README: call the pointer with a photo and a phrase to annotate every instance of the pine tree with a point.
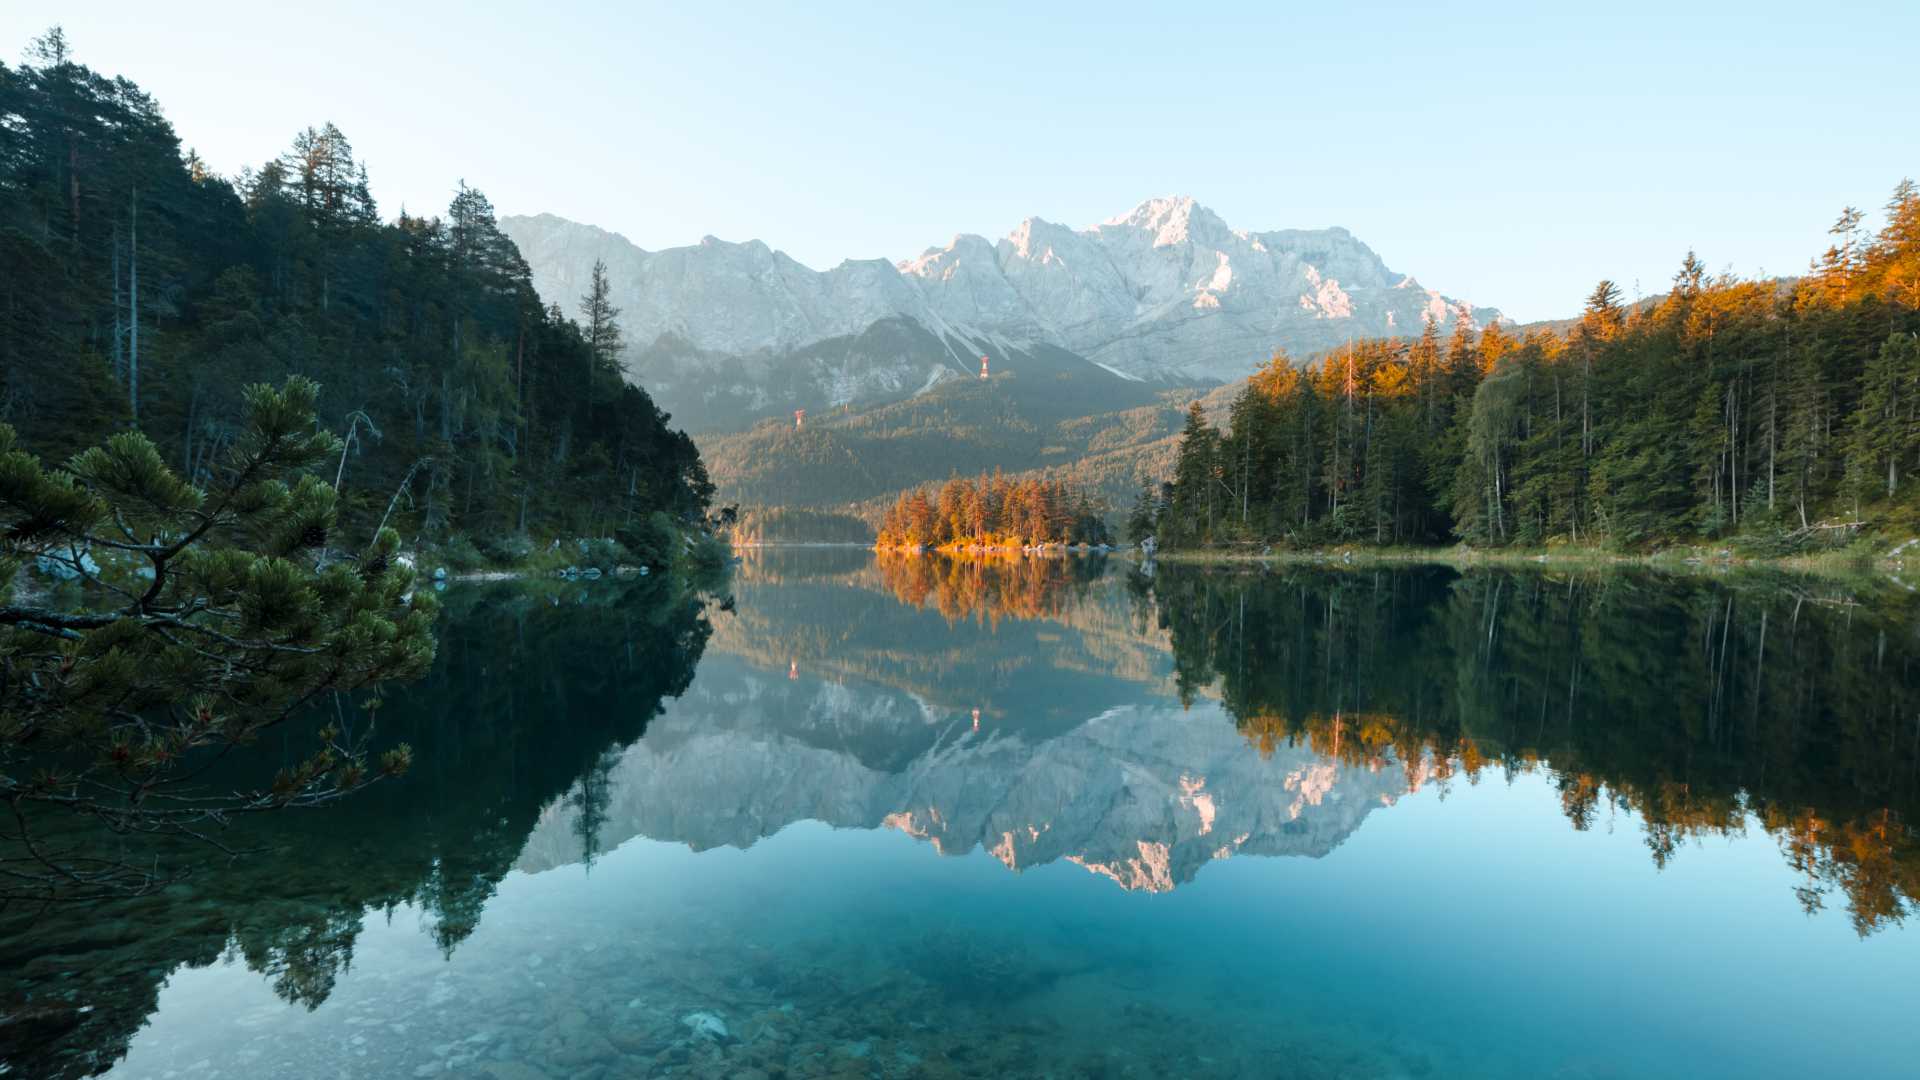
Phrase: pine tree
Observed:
(229, 608)
(1886, 426)
(1141, 517)
(1196, 494)
(605, 341)
(1688, 280)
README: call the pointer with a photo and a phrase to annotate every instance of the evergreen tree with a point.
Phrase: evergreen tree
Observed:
(600, 322)
(1886, 424)
(225, 610)
(1196, 480)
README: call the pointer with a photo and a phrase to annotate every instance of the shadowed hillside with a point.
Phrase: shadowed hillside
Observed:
(860, 459)
(1035, 417)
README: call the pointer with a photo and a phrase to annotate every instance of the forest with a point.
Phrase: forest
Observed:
(141, 291)
(993, 512)
(1780, 416)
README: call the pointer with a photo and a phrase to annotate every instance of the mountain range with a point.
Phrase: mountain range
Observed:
(1166, 295)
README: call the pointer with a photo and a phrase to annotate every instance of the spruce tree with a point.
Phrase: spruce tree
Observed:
(1141, 517)
(601, 324)
(1886, 425)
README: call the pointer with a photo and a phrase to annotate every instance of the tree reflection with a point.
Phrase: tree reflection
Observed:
(533, 687)
(989, 586)
(1703, 707)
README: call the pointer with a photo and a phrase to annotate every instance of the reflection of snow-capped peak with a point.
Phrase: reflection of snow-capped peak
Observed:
(1144, 796)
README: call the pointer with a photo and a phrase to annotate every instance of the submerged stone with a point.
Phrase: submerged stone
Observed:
(706, 1025)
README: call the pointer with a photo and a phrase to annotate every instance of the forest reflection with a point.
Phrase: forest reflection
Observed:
(989, 586)
(534, 686)
(1705, 707)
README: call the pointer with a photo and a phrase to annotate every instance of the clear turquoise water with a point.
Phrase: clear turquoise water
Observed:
(814, 847)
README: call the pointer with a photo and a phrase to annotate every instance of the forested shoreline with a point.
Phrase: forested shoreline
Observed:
(140, 291)
(1780, 417)
(993, 512)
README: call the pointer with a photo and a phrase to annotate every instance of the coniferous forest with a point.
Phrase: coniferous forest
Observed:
(139, 290)
(1780, 415)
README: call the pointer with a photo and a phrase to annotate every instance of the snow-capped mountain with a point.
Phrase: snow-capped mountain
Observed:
(1170, 293)
(1166, 294)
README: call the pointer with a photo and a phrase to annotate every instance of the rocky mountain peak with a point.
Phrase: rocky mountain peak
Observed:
(1166, 293)
(1172, 219)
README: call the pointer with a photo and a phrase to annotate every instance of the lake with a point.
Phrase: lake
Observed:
(916, 817)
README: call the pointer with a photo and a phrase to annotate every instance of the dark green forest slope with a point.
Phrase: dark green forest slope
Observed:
(1015, 421)
(140, 290)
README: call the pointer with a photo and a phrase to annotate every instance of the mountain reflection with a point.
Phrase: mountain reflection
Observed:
(1703, 707)
(1045, 711)
(1143, 792)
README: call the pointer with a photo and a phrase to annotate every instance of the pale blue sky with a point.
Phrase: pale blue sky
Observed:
(1502, 153)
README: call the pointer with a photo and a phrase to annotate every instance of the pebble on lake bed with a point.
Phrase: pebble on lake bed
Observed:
(706, 1025)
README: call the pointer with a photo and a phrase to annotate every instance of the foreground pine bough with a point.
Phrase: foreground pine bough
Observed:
(209, 616)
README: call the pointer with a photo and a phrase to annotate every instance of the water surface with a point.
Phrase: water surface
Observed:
(920, 817)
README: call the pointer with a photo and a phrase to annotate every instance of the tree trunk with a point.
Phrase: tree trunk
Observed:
(519, 389)
(133, 317)
(119, 299)
(73, 186)
(186, 448)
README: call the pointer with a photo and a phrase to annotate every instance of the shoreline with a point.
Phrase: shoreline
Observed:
(1678, 560)
(997, 549)
(1887, 564)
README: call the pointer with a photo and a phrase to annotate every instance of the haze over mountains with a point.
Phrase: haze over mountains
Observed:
(1166, 295)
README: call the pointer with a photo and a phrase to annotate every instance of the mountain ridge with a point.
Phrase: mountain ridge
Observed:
(1167, 294)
